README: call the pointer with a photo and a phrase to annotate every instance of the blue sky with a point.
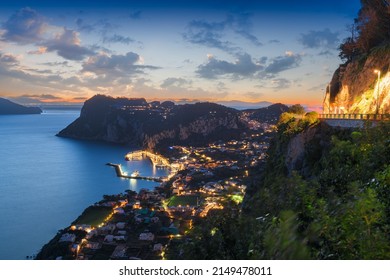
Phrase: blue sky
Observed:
(64, 51)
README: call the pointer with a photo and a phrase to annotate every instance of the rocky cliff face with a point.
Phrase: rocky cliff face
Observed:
(303, 151)
(134, 121)
(355, 87)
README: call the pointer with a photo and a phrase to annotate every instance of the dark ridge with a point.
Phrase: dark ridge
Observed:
(10, 108)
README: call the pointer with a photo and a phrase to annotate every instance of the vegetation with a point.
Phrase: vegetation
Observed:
(337, 208)
(93, 215)
(293, 123)
(184, 200)
(296, 109)
(370, 29)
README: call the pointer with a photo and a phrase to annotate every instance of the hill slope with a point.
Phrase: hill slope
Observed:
(134, 121)
(10, 108)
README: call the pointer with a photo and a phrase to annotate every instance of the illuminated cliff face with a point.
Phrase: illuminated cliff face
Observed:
(372, 101)
(357, 89)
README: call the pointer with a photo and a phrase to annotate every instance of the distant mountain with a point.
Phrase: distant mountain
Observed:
(154, 125)
(268, 114)
(10, 108)
(241, 105)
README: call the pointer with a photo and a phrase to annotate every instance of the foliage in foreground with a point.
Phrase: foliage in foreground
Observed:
(339, 209)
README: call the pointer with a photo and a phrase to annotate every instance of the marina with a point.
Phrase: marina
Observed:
(121, 174)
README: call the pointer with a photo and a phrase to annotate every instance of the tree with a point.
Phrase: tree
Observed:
(370, 29)
(297, 109)
(348, 49)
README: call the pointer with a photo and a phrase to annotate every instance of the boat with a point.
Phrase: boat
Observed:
(135, 173)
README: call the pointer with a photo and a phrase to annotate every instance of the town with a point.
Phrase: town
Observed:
(152, 224)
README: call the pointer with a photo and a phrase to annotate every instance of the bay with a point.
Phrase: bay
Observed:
(47, 181)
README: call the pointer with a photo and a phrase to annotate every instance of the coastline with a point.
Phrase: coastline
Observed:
(78, 232)
(155, 224)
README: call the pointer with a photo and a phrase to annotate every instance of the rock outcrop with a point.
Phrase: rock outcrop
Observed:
(154, 125)
(355, 87)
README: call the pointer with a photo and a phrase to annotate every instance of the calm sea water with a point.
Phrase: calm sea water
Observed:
(47, 181)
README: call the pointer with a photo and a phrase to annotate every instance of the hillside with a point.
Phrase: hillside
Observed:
(354, 88)
(323, 194)
(154, 125)
(10, 108)
(361, 85)
(268, 114)
(327, 190)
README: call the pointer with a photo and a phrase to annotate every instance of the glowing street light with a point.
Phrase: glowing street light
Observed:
(377, 93)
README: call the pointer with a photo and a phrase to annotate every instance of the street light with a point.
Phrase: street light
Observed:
(377, 93)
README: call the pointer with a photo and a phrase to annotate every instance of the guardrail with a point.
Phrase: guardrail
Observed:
(373, 117)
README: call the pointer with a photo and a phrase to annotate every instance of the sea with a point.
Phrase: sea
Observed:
(47, 181)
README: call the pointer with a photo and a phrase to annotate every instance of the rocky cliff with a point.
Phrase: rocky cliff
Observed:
(361, 86)
(154, 125)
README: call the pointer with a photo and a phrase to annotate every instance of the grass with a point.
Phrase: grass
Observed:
(93, 215)
(183, 200)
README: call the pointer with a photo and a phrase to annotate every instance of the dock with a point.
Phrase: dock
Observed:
(157, 160)
(119, 173)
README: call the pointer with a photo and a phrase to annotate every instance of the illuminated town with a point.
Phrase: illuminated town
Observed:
(152, 224)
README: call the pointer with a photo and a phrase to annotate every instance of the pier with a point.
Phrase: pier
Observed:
(157, 160)
(121, 174)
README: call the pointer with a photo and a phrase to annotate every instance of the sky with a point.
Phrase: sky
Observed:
(186, 51)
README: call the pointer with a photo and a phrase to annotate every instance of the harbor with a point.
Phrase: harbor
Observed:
(121, 174)
(157, 160)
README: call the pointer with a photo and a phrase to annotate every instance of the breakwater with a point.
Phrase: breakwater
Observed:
(120, 173)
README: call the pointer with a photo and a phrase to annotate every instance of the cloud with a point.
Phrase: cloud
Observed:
(263, 60)
(36, 98)
(63, 63)
(42, 96)
(242, 25)
(39, 51)
(115, 65)
(211, 34)
(245, 67)
(118, 39)
(105, 25)
(274, 41)
(39, 71)
(318, 88)
(242, 67)
(208, 34)
(8, 60)
(278, 84)
(80, 98)
(24, 27)
(175, 82)
(24, 100)
(18, 77)
(187, 61)
(135, 15)
(253, 95)
(282, 63)
(67, 45)
(319, 39)
(82, 26)
(221, 86)
(281, 83)
(326, 53)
